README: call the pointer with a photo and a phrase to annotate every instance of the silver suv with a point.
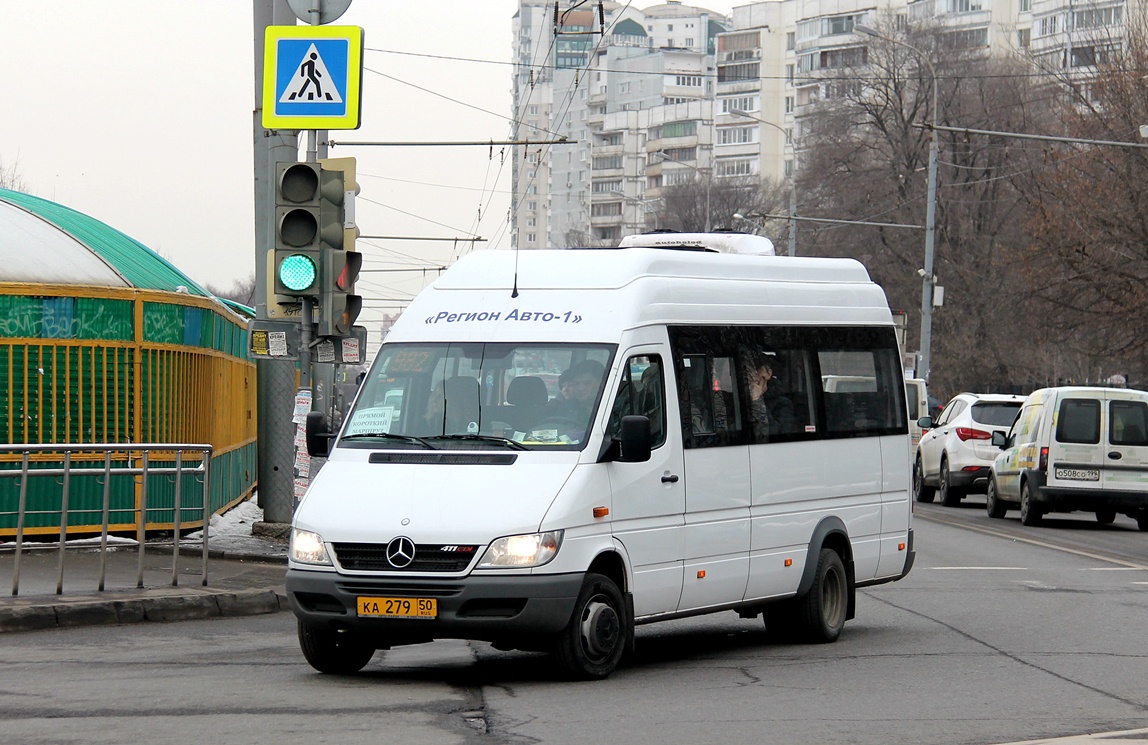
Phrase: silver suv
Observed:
(956, 451)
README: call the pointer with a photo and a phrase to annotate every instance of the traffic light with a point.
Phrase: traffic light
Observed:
(340, 264)
(338, 305)
(297, 229)
(309, 218)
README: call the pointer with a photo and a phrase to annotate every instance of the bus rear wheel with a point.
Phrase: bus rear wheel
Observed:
(822, 611)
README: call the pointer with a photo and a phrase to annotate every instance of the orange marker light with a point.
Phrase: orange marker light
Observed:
(601, 511)
(701, 574)
(789, 562)
(900, 546)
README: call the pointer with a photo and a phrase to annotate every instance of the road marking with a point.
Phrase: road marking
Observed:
(1031, 541)
(1126, 737)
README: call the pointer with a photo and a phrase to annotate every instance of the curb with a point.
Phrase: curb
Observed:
(61, 613)
(191, 552)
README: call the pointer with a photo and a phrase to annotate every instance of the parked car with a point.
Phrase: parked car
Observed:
(956, 451)
(1074, 448)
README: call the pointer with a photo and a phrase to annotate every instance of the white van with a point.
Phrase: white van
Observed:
(641, 484)
(1074, 448)
(918, 395)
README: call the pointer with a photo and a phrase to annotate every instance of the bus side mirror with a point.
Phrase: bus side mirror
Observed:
(635, 439)
(318, 435)
(1000, 439)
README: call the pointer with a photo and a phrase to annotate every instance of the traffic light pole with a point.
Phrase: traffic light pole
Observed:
(275, 378)
(305, 345)
(290, 243)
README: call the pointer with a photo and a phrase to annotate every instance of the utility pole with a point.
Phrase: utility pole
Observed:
(275, 379)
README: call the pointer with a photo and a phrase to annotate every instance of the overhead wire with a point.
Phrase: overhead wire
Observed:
(1035, 75)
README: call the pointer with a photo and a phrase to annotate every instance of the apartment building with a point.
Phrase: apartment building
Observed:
(603, 93)
(675, 92)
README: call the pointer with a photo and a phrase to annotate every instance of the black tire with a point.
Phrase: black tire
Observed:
(950, 495)
(592, 644)
(994, 506)
(1030, 514)
(922, 492)
(1106, 517)
(821, 612)
(333, 652)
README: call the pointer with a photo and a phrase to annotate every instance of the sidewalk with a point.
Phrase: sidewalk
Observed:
(245, 575)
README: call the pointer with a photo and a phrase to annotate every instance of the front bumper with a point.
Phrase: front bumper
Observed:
(510, 610)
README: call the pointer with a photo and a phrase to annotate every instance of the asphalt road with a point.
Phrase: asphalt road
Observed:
(990, 639)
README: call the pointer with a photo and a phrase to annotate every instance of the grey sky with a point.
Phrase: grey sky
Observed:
(139, 113)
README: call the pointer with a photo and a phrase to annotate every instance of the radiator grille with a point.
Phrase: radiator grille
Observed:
(372, 557)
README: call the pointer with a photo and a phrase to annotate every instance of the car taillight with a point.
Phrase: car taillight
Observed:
(1043, 465)
(967, 433)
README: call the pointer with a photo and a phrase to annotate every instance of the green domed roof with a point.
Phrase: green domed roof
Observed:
(45, 242)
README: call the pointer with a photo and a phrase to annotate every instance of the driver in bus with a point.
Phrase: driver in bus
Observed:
(577, 388)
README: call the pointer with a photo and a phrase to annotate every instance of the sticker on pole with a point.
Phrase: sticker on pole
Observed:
(312, 77)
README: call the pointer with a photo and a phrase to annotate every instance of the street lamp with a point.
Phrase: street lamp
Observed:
(701, 172)
(928, 281)
(792, 178)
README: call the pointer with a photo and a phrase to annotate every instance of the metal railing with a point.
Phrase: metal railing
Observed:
(136, 460)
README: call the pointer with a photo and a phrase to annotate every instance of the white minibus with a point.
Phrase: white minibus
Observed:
(554, 446)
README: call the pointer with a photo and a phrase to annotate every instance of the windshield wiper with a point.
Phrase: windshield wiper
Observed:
(482, 438)
(390, 436)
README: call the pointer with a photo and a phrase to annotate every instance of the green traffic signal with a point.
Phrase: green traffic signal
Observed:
(297, 272)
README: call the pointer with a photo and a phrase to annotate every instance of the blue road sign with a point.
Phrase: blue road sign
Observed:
(312, 77)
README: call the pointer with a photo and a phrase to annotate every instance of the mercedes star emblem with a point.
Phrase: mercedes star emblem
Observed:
(401, 552)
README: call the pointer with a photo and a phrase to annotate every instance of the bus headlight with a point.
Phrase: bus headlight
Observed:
(308, 548)
(531, 550)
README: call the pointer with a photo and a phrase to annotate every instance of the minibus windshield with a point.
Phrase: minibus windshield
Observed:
(453, 396)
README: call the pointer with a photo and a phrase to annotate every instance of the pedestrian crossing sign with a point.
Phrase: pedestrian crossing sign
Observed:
(312, 77)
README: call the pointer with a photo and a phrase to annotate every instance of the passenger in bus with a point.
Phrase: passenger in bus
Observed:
(452, 407)
(431, 422)
(769, 410)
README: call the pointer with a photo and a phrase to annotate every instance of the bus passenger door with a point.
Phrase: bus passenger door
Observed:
(716, 534)
(649, 498)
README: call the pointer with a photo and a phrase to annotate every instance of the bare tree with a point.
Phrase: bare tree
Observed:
(865, 159)
(10, 177)
(685, 207)
(242, 292)
(1088, 209)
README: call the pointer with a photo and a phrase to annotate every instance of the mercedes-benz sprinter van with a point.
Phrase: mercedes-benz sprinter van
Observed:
(591, 439)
